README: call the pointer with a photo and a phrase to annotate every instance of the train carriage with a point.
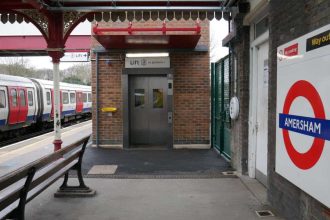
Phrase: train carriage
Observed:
(24, 102)
(18, 100)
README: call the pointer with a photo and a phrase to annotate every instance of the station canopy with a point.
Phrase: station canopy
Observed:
(117, 10)
(56, 19)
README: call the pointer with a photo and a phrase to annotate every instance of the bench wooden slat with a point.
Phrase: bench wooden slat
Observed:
(46, 171)
(53, 170)
(23, 172)
(37, 190)
(10, 198)
(39, 176)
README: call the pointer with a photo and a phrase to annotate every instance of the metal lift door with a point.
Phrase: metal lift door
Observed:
(148, 111)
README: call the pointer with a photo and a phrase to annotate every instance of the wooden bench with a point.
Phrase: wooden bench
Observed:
(21, 186)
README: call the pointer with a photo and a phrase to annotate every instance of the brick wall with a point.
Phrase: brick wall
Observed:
(191, 90)
(240, 129)
(110, 95)
(289, 20)
(191, 98)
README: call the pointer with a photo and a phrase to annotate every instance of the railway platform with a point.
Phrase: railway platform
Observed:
(150, 199)
(19, 154)
(141, 184)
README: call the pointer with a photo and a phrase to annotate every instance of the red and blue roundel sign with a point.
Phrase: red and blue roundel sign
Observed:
(302, 153)
(317, 127)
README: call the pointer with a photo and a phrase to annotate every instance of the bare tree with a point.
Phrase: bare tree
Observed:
(17, 66)
(79, 71)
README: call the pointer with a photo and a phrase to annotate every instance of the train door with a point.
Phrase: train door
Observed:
(79, 103)
(23, 107)
(31, 104)
(84, 100)
(73, 102)
(3, 106)
(48, 104)
(13, 105)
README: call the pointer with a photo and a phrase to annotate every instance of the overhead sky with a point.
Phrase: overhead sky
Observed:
(218, 32)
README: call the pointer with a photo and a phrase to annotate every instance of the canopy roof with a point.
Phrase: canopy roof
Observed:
(122, 9)
(148, 37)
(57, 18)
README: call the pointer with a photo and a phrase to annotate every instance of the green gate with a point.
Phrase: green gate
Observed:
(221, 122)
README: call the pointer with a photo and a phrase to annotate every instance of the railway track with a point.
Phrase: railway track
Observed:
(38, 132)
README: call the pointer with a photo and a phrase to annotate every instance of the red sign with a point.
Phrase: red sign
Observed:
(291, 50)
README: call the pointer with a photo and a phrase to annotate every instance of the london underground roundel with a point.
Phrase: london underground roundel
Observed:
(317, 127)
(302, 147)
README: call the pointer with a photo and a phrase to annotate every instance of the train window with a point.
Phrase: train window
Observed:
(85, 97)
(30, 98)
(72, 98)
(22, 97)
(13, 94)
(89, 97)
(65, 98)
(2, 99)
(48, 98)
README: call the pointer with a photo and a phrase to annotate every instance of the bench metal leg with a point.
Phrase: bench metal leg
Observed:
(65, 181)
(80, 176)
(18, 213)
(75, 191)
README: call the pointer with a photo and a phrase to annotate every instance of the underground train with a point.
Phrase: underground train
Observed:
(26, 102)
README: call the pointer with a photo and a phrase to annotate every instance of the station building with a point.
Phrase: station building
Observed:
(147, 101)
(173, 101)
(279, 45)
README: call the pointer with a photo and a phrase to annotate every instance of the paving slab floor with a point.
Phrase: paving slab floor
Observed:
(151, 199)
(156, 162)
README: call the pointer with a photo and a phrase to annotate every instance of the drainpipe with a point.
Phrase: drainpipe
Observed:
(97, 99)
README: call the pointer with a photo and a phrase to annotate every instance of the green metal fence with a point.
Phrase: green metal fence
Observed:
(220, 89)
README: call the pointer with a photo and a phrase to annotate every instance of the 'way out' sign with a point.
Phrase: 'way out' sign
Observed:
(303, 113)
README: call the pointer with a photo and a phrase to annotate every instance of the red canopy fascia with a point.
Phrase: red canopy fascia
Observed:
(148, 37)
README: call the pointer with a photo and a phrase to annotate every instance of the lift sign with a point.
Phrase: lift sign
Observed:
(303, 113)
